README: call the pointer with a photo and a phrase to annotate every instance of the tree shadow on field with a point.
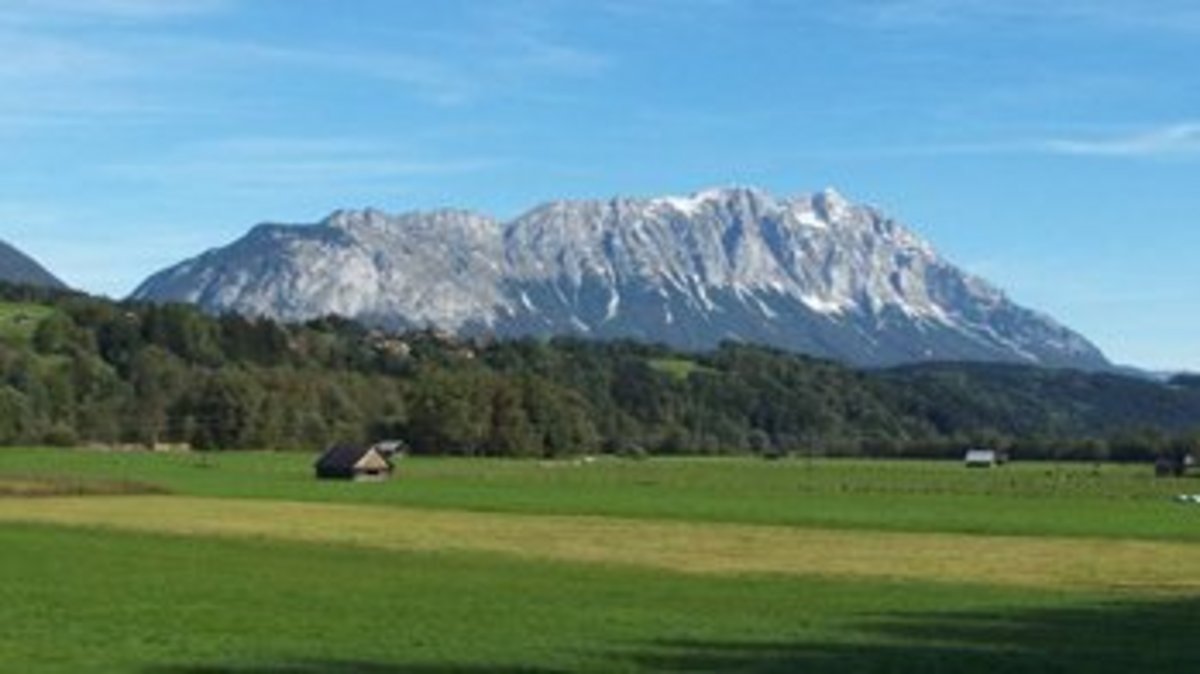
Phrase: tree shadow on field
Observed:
(347, 667)
(1117, 637)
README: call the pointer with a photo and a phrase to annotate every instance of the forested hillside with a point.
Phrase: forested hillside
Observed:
(78, 370)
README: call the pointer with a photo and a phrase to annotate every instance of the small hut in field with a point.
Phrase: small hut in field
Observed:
(1172, 466)
(984, 458)
(354, 462)
(392, 449)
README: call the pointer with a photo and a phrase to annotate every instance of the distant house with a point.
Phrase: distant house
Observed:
(984, 458)
(392, 449)
(1172, 466)
(354, 462)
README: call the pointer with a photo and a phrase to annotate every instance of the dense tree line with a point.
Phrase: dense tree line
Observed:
(95, 371)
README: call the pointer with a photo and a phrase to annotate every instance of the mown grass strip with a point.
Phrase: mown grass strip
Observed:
(41, 487)
(726, 549)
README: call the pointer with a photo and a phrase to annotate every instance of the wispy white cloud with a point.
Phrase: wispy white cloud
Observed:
(1165, 141)
(247, 166)
(428, 78)
(56, 80)
(1170, 15)
(453, 72)
(510, 48)
(39, 57)
(676, 10)
(44, 11)
(61, 71)
(1174, 140)
(68, 72)
(500, 49)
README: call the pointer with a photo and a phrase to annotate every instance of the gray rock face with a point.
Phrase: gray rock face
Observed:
(815, 274)
(17, 267)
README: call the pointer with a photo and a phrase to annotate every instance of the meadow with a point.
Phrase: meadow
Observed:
(1034, 498)
(204, 563)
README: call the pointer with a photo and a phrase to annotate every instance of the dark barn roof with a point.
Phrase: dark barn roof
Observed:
(341, 460)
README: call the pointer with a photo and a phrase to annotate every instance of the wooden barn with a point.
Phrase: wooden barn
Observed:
(354, 462)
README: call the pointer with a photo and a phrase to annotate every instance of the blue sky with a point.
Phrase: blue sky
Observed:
(1052, 147)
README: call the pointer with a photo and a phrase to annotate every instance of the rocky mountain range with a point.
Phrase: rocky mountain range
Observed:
(816, 274)
(17, 267)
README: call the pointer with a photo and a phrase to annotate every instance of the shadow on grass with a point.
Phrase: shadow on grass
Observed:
(348, 667)
(1118, 637)
(1159, 637)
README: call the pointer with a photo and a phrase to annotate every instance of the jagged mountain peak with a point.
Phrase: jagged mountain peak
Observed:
(348, 219)
(831, 203)
(733, 196)
(815, 273)
(373, 219)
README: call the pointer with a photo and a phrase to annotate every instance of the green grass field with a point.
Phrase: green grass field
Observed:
(1021, 499)
(247, 565)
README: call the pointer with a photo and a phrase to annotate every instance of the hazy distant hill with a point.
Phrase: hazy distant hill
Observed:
(815, 274)
(17, 267)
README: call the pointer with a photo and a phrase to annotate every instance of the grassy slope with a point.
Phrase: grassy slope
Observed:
(19, 321)
(89, 602)
(677, 368)
(1029, 499)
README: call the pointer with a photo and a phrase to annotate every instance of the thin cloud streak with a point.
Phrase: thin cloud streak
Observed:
(1164, 15)
(252, 165)
(1167, 141)
(673, 10)
(59, 81)
(1176, 140)
(480, 70)
(28, 12)
(503, 56)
